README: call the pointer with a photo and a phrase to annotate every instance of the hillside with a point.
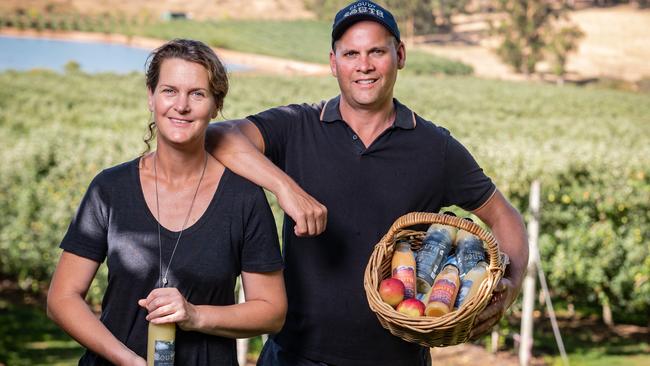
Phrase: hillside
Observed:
(616, 45)
(197, 9)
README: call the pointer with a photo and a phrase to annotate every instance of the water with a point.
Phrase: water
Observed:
(93, 57)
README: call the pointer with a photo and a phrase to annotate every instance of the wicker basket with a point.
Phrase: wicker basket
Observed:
(452, 328)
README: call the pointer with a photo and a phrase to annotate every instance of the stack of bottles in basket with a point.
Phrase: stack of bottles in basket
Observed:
(445, 273)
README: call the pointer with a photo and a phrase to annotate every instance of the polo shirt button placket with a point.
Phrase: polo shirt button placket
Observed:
(357, 143)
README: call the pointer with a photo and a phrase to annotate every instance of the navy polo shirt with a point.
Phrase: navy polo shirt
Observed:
(412, 166)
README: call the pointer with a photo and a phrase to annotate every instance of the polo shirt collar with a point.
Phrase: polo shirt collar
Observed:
(404, 117)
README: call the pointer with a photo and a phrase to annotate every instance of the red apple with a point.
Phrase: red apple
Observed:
(391, 290)
(411, 307)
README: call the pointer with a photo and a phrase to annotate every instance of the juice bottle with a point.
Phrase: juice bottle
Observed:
(470, 283)
(403, 267)
(436, 245)
(469, 251)
(161, 339)
(441, 297)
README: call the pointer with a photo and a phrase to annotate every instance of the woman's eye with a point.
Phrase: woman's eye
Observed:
(198, 94)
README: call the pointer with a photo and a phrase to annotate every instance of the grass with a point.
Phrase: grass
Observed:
(300, 40)
(29, 338)
(588, 342)
(303, 40)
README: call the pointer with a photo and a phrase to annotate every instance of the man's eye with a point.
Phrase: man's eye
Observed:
(167, 91)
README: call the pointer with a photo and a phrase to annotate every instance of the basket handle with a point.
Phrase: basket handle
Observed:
(415, 218)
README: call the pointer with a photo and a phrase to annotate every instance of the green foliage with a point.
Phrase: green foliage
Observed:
(530, 29)
(57, 133)
(443, 10)
(587, 146)
(28, 337)
(413, 17)
(560, 44)
(420, 63)
(522, 32)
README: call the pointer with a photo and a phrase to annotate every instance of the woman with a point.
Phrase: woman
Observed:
(176, 228)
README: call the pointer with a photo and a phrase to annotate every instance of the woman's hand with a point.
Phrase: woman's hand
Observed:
(167, 305)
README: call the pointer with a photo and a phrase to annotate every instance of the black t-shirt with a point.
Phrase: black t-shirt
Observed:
(236, 233)
(412, 166)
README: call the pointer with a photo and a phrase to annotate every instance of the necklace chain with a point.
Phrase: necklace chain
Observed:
(163, 278)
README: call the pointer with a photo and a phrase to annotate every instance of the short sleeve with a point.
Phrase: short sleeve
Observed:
(87, 233)
(276, 126)
(466, 185)
(261, 247)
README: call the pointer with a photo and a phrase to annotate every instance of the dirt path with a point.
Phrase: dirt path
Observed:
(260, 63)
(616, 45)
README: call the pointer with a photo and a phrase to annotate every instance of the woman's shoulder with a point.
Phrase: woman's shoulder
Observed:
(239, 183)
(118, 175)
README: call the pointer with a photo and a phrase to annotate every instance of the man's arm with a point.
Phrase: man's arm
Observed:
(238, 144)
(510, 232)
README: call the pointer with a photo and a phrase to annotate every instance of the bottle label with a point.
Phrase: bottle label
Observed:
(469, 252)
(163, 353)
(406, 274)
(443, 291)
(429, 258)
(462, 293)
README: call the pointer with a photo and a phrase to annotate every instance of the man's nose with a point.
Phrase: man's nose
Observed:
(365, 65)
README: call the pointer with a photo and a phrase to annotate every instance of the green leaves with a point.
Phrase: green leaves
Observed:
(588, 147)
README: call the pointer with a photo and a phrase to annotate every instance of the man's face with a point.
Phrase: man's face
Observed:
(365, 63)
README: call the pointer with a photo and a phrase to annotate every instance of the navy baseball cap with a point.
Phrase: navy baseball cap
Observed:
(362, 10)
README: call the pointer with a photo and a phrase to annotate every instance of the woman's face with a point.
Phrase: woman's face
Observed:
(182, 103)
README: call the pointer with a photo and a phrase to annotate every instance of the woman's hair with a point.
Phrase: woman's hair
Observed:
(192, 51)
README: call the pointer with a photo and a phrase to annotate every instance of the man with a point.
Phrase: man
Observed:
(364, 159)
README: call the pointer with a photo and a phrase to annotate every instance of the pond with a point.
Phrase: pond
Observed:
(93, 57)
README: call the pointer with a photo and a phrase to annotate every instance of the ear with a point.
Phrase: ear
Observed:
(401, 56)
(150, 102)
(333, 62)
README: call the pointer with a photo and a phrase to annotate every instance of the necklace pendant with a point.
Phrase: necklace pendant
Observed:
(164, 281)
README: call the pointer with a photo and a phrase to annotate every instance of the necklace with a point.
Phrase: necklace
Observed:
(163, 277)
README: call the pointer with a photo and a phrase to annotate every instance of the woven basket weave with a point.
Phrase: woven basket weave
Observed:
(447, 330)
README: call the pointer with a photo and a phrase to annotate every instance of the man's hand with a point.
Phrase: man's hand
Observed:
(309, 215)
(503, 296)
